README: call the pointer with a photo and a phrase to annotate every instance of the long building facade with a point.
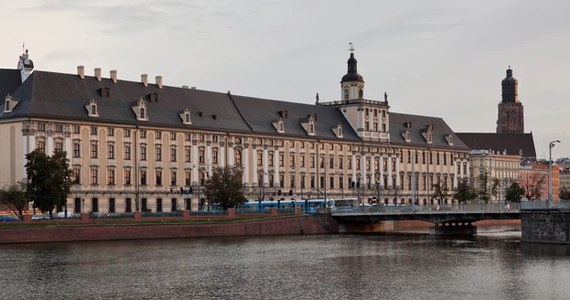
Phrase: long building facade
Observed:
(147, 146)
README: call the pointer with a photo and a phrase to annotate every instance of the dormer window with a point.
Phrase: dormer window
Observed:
(279, 125)
(311, 128)
(427, 133)
(449, 139)
(104, 92)
(92, 109)
(337, 131)
(309, 124)
(9, 104)
(407, 136)
(429, 137)
(185, 116)
(140, 110)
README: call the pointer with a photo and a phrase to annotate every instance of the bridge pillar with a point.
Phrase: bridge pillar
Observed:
(453, 228)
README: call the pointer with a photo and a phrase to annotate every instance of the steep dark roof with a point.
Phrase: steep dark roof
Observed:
(10, 80)
(64, 96)
(261, 113)
(418, 125)
(513, 143)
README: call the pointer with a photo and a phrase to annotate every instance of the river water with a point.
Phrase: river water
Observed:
(487, 266)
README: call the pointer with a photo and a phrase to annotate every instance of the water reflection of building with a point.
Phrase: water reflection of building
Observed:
(131, 140)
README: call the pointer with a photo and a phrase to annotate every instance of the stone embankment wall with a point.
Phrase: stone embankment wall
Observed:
(320, 224)
(545, 226)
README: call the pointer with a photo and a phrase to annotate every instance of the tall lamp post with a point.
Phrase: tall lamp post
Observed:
(550, 146)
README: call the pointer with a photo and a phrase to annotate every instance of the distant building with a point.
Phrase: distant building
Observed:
(534, 177)
(132, 143)
(489, 168)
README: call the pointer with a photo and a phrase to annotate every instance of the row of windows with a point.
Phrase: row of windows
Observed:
(128, 205)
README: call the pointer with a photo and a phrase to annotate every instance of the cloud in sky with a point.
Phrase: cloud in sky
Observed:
(443, 58)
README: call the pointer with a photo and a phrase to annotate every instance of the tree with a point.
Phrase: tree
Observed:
(14, 197)
(564, 193)
(464, 192)
(533, 184)
(224, 187)
(514, 192)
(440, 192)
(49, 180)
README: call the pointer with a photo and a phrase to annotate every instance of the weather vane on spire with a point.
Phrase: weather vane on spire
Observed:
(351, 49)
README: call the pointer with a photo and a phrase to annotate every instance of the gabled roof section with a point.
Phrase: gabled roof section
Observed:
(514, 143)
(10, 80)
(261, 113)
(416, 125)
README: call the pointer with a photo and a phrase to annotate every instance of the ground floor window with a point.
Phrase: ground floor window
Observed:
(144, 206)
(111, 205)
(174, 206)
(188, 203)
(128, 205)
(94, 205)
(159, 204)
(77, 206)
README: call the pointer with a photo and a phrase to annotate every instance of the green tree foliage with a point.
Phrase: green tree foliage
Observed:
(224, 187)
(564, 193)
(14, 197)
(49, 180)
(514, 192)
(440, 192)
(464, 192)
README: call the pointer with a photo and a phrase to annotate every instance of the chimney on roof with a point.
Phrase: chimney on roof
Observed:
(184, 86)
(158, 80)
(144, 79)
(81, 72)
(193, 88)
(98, 74)
(113, 75)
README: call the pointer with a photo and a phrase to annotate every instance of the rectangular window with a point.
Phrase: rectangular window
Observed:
(93, 130)
(215, 156)
(41, 146)
(158, 177)
(94, 150)
(127, 176)
(127, 151)
(111, 131)
(144, 206)
(128, 205)
(281, 160)
(158, 153)
(77, 206)
(331, 182)
(173, 136)
(143, 152)
(76, 175)
(173, 177)
(76, 149)
(173, 205)
(312, 161)
(111, 151)
(292, 160)
(302, 160)
(58, 146)
(187, 137)
(76, 129)
(127, 133)
(172, 153)
(259, 158)
(187, 154)
(143, 177)
(94, 176)
(159, 204)
(111, 177)
(111, 205)
(158, 134)
(94, 205)
(143, 133)
(187, 176)
(292, 181)
(331, 162)
(202, 157)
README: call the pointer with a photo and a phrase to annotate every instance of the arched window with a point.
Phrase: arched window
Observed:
(142, 114)
(93, 109)
(345, 94)
(7, 105)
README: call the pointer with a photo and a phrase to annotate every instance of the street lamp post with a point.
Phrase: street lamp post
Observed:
(550, 146)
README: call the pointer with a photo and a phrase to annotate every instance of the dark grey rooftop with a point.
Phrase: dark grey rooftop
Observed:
(513, 143)
(418, 125)
(10, 80)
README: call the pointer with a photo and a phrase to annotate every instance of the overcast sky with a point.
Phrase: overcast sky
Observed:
(436, 58)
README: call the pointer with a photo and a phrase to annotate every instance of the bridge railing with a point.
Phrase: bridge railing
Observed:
(444, 208)
(562, 204)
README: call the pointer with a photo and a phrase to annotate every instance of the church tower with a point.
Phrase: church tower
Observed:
(25, 65)
(511, 113)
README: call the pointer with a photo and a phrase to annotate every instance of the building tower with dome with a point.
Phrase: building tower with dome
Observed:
(511, 113)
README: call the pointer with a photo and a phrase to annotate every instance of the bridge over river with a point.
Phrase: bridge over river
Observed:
(457, 218)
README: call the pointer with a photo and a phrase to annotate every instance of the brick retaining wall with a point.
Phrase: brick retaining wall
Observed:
(320, 224)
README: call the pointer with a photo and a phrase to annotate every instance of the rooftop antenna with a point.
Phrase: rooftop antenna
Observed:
(23, 47)
(351, 49)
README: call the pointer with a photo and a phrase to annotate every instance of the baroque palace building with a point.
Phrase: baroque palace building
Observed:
(142, 145)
